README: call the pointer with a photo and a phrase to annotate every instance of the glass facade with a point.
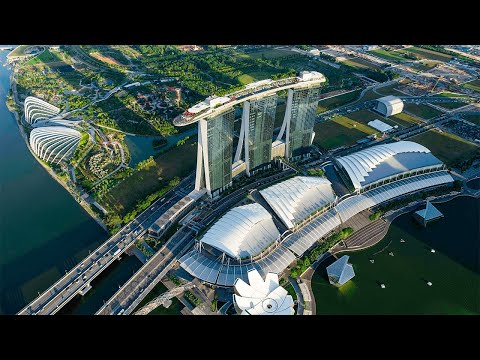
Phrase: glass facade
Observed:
(303, 114)
(260, 131)
(220, 148)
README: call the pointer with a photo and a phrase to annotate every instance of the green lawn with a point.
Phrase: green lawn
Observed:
(45, 57)
(271, 53)
(451, 105)
(173, 309)
(364, 116)
(387, 55)
(359, 63)
(428, 54)
(423, 65)
(245, 79)
(336, 101)
(340, 131)
(258, 75)
(179, 161)
(405, 119)
(447, 147)
(474, 85)
(473, 118)
(423, 111)
(450, 94)
(390, 90)
(369, 95)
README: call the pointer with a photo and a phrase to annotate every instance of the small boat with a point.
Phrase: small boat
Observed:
(402, 241)
(372, 261)
(429, 283)
(390, 253)
(382, 286)
(432, 251)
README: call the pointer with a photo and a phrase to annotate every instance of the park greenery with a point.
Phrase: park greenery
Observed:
(376, 215)
(192, 299)
(145, 203)
(316, 172)
(312, 255)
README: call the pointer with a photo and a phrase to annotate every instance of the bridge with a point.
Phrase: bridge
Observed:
(129, 296)
(78, 280)
(164, 298)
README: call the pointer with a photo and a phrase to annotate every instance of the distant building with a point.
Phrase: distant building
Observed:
(340, 271)
(428, 214)
(389, 105)
(380, 126)
(381, 164)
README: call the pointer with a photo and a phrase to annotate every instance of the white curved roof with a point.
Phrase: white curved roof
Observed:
(389, 105)
(293, 200)
(390, 100)
(242, 232)
(261, 297)
(37, 109)
(381, 161)
(54, 143)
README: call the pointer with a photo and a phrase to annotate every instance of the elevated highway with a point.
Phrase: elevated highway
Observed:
(77, 280)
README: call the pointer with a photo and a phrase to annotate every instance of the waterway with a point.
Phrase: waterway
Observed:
(141, 147)
(453, 269)
(43, 230)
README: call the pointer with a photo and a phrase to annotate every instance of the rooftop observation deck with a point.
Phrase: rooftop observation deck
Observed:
(213, 106)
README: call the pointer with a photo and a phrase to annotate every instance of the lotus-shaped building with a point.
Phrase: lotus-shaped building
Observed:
(261, 297)
(54, 143)
(38, 110)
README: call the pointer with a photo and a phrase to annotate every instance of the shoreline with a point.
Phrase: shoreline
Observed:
(307, 275)
(74, 195)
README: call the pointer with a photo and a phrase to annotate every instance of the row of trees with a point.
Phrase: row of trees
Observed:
(311, 256)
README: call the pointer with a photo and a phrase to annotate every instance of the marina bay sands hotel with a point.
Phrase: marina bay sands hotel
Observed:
(218, 163)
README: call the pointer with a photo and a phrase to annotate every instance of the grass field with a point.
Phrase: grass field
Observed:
(423, 65)
(423, 111)
(359, 63)
(340, 131)
(260, 75)
(474, 85)
(336, 101)
(405, 119)
(271, 53)
(245, 79)
(387, 55)
(473, 118)
(450, 94)
(45, 57)
(451, 105)
(428, 54)
(447, 147)
(179, 161)
(390, 90)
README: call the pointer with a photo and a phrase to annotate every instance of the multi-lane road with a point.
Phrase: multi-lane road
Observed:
(78, 279)
(129, 296)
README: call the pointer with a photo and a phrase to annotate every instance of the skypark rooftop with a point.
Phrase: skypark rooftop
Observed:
(214, 105)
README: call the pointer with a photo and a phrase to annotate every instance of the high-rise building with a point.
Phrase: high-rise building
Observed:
(302, 110)
(256, 132)
(215, 149)
(216, 163)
